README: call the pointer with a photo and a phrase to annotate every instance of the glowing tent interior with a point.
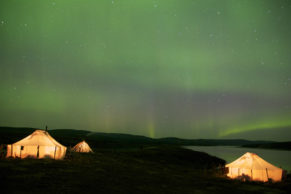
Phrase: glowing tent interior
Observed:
(82, 147)
(39, 144)
(252, 167)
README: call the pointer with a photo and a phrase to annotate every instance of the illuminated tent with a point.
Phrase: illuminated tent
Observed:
(82, 147)
(251, 167)
(37, 145)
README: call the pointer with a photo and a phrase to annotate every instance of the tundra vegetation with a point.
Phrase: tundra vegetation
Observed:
(123, 168)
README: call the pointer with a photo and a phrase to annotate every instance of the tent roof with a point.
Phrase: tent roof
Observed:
(38, 137)
(251, 161)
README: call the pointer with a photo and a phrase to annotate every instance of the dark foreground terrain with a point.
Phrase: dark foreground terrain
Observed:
(121, 164)
(146, 170)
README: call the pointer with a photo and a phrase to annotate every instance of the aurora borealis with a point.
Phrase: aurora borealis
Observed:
(159, 68)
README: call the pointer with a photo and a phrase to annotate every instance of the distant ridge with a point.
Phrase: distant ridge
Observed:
(275, 145)
(10, 135)
(70, 137)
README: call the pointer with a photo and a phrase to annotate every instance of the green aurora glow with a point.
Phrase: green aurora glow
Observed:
(184, 68)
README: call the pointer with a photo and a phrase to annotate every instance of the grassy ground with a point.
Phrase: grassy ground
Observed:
(147, 170)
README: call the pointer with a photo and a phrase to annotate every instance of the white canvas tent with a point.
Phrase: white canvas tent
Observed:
(251, 167)
(82, 147)
(39, 144)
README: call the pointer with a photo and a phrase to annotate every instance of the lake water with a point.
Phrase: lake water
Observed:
(279, 158)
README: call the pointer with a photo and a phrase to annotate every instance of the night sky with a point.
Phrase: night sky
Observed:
(159, 68)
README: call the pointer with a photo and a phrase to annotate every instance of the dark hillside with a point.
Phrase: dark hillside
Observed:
(71, 137)
(276, 145)
(10, 135)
